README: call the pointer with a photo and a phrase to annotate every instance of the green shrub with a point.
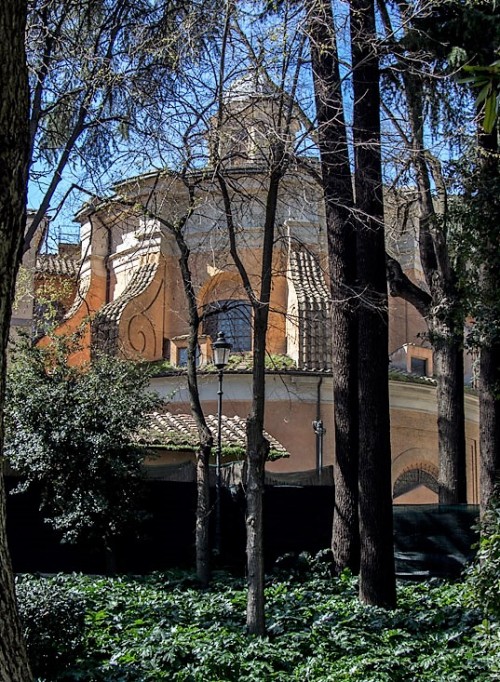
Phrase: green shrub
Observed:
(53, 619)
(160, 627)
(484, 576)
(304, 566)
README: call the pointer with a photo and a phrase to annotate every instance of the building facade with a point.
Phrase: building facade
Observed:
(130, 296)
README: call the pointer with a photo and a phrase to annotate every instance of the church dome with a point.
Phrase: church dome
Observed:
(254, 85)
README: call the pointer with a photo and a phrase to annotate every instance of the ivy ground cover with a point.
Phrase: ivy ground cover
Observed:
(163, 627)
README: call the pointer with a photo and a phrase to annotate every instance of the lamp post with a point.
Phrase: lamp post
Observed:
(320, 431)
(220, 350)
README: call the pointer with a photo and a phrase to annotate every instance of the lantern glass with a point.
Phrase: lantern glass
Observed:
(220, 351)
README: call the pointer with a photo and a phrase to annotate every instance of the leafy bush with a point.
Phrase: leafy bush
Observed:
(484, 576)
(71, 431)
(161, 627)
(304, 566)
(53, 618)
(160, 367)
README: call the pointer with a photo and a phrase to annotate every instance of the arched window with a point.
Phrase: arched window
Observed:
(234, 318)
(413, 478)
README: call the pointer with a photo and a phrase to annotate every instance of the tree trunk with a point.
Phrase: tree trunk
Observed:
(202, 534)
(257, 449)
(257, 445)
(489, 422)
(446, 319)
(449, 369)
(13, 657)
(256, 457)
(337, 186)
(14, 151)
(377, 584)
(489, 359)
(202, 516)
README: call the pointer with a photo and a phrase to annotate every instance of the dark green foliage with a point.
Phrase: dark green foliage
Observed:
(484, 576)
(458, 23)
(162, 628)
(53, 620)
(474, 226)
(70, 430)
(487, 81)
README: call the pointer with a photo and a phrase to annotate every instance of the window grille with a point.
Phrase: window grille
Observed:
(234, 318)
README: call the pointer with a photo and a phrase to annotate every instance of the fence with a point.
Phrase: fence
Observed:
(429, 540)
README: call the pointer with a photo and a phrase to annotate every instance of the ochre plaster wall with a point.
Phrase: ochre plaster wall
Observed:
(406, 325)
(84, 308)
(290, 423)
(142, 321)
(414, 439)
(160, 313)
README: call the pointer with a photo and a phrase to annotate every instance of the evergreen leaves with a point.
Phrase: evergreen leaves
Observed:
(162, 627)
(70, 430)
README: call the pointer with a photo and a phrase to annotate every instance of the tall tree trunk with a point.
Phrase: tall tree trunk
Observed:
(202, 537)
(338, 193)
(446, 319)
(257, 450)
(451, 423)
(489, 362)
(489, 422)
(449, 369)
(14, 665)
(377, 584)
(14, 151)
(202, 534)
(257, 444)
(256, 457)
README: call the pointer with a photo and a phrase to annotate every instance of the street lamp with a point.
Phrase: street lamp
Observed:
(320, 431)
(220, 351)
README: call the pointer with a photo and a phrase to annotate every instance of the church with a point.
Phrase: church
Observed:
(128, 293)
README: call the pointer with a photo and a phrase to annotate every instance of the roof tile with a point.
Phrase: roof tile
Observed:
(56, 264)
(178, 431)
(314, 316)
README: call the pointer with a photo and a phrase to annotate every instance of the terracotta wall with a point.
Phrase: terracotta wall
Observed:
(292, 406)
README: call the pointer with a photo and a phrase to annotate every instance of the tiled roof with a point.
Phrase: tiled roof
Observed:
(139, 282)
(56, 264)
(314, 320)
(105, 324)
(178, 432)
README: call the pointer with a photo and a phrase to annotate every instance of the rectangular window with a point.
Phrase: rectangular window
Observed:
(182, 356)
(419, 366)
